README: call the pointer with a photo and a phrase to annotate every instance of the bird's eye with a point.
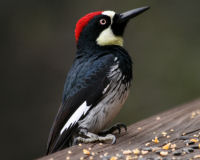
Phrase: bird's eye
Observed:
(102, 21)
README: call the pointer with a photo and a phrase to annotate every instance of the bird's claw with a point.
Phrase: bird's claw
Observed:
(95, 138)
(117, 127)
(108, 137)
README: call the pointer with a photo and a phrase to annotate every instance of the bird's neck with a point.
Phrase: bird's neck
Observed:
(91, 47)
(86, 45)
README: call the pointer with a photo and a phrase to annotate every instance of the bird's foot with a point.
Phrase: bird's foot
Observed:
(96, 139)
(88, 137)
(116, 127)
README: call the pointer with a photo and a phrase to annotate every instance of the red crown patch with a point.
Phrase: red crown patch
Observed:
(83, 22)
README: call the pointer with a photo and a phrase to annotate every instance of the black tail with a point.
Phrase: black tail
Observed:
(63, 141)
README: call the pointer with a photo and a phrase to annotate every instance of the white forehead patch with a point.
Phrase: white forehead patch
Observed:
(109, 13)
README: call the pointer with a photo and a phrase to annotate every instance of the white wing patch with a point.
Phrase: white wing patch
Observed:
(82, 110)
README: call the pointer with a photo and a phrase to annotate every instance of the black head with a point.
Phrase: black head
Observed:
(103, 28)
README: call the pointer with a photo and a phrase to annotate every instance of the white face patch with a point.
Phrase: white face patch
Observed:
(107, 36)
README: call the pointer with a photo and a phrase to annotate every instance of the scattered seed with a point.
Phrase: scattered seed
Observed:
(195, 135)
(196, 156)
(172, 130)
(147, 144)
(139, 128)
(183, 134)
(100, 144)
(105, 154)
(164, 133)
(93, 153)
(194, 140)
(168, 136)
(129, 157)
(91, 157)
(86, 152)
(157, 118)
(163, 153)
(69, 152)
(136, 151)
(127, 152)
(155, 140)
(193, 114)
(167, 146)
(144, 152)
(67, 158)
(80, 144)
(81, 158)
(113, 158)
(173, 146)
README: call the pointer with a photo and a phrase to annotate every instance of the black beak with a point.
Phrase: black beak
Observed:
(131, 14)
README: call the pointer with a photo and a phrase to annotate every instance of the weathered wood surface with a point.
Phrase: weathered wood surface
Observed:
(183, 120)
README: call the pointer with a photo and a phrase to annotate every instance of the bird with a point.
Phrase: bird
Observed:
(98, 83)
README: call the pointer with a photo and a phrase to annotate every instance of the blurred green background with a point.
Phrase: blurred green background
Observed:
(38, 47)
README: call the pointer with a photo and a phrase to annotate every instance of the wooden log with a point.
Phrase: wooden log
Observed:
(179, 128)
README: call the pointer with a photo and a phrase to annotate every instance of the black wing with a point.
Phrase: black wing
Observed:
(85, 83)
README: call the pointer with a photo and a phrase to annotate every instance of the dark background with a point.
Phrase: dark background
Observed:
(38, 47)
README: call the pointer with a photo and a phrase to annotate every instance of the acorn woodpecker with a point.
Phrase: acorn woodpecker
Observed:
(98, 82)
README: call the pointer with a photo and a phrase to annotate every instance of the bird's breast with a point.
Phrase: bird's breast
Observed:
(114, 96)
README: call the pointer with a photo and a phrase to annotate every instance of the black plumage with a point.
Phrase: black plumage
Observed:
(98, 82)
(85, 82)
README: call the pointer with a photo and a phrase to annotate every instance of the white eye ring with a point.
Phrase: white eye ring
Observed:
(102, 21)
